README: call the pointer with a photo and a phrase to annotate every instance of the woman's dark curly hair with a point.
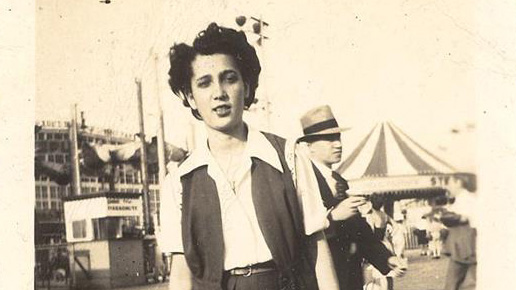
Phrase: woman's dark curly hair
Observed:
(214, 39)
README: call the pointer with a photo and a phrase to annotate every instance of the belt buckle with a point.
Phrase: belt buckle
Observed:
(249, 271)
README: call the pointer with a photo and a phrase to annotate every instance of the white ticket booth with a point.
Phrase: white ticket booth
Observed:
(104, 233)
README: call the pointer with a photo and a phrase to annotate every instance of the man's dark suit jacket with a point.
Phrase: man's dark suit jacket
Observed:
(346, 256)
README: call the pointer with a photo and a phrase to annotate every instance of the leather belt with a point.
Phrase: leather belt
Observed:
(253, 269)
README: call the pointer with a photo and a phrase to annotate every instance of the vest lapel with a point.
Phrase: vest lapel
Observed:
(328, 199)
(270, 204)
(202, 229)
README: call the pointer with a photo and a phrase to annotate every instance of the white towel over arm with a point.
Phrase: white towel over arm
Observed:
(314, 213)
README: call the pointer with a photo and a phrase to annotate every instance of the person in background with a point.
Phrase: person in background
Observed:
(422, 234)
(349, 236)
(399, 233)
(232, 215)
(436, 229)
(460, 243)
(390, 233)
(435, 242)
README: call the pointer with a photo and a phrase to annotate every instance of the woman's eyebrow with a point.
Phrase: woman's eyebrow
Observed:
(228, 71)
(203, 78)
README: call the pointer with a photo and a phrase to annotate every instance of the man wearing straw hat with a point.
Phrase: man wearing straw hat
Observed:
(349, 237)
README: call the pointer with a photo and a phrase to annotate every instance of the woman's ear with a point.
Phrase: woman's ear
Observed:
(246, 92)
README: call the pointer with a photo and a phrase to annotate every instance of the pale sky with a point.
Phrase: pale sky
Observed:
(409, 62)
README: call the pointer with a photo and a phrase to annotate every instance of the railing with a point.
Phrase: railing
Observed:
(52, 267)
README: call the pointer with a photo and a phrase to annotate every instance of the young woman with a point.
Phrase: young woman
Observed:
(233, 217)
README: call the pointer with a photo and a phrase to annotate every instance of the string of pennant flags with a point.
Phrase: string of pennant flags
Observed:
(99, 159)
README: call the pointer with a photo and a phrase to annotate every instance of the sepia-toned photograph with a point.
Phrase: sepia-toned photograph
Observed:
(244, 145)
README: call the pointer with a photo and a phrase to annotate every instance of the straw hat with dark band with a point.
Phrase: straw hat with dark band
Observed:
(319, 121)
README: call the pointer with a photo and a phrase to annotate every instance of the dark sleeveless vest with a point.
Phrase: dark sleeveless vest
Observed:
(279, 218)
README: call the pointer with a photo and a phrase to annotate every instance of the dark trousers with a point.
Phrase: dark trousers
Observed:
(348, 267)
(461, 276)
(260, 281)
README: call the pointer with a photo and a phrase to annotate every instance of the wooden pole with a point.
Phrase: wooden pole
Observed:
(74, 154)
(162, 163)
(147, 223)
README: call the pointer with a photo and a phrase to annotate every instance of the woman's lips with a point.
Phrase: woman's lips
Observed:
(222, 110)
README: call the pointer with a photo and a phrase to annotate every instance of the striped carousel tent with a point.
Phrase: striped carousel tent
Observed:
(389, 162)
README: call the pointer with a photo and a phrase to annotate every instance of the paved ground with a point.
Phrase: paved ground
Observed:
(424, 274)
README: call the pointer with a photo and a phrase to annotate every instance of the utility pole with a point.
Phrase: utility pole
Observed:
(147, 222)
(74, 154)
(257, 28)
(161, 132)
(76, 179)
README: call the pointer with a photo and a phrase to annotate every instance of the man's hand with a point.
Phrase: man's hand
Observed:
(347, 208)
(398, 266)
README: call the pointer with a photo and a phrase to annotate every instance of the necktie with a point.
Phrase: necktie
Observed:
(341, 186)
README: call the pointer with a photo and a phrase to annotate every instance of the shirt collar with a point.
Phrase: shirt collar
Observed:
(325, 171)
(257, 146)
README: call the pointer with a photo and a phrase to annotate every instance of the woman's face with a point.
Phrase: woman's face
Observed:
(218, 91)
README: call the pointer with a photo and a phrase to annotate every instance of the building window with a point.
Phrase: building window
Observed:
(41, 147)
(59, 158)
(61, 191)
(53, 192)
(41, 136)
(88, 179)
(44, 192)
(54, 146)
(58, 136)
(85, 190)
(39, 205)
(38, 192)
(50, 158)
(154, 179)
(45, 205)
(79, 229)
(53, 205)
(122, 178)
(50, 136)
(65, 135)
(129, 178)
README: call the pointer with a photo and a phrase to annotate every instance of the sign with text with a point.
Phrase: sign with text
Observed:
(398, 183)
(124, 207)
